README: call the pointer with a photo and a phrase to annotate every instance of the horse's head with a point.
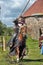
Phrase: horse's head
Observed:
(20, 37)
(24, 30)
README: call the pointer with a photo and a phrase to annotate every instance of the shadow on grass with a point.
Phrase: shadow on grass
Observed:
(32, 60)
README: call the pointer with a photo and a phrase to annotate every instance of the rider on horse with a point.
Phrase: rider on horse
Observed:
(19, 38)
(13, 39)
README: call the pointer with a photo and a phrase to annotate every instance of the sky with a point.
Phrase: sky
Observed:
(11, 9)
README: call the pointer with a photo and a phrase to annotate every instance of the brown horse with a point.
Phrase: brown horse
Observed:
(20, 50)
(18, 45)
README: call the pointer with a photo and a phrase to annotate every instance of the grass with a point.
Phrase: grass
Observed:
(34, 56)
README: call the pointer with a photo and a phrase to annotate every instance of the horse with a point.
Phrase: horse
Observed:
(18, 46)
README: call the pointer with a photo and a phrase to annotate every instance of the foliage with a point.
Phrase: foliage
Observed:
(34, 56)
(4, 30)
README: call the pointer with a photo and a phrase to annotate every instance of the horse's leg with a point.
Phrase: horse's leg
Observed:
(20, 54)
(17, 49)
(24, 50)
(23, 53)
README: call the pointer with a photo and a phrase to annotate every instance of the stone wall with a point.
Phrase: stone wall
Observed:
(34, 24)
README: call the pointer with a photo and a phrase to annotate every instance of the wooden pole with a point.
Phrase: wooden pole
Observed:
(4, 44)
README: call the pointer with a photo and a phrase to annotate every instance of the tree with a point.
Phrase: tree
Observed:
(10, 31)
(4, 30)
(1, 28)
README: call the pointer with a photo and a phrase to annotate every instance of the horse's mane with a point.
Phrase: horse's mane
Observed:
(20, 36)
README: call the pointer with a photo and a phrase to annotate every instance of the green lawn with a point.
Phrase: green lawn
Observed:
(34, 56)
